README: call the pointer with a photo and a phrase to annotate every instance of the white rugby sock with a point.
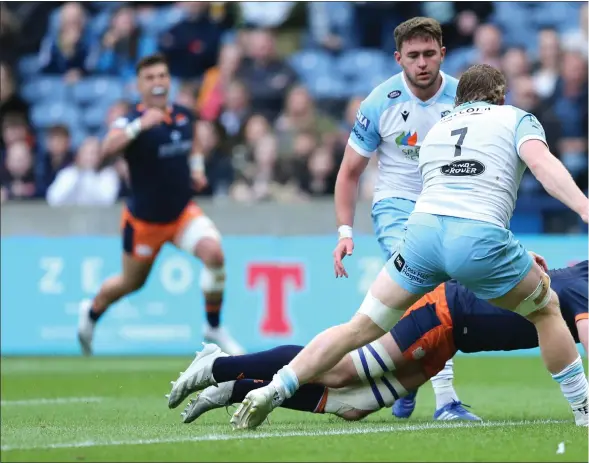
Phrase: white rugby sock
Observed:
(443, 387)
(573, 384)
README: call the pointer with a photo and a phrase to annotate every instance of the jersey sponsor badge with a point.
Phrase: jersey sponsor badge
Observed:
(463, 169)
(362, 120)
(418, 353)
(394, 94)
(399, 262)
(445, 113)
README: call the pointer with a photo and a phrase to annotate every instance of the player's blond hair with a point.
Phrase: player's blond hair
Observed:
(481, 82)
(419, 26)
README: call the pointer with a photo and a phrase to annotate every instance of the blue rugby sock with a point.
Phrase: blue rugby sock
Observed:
(309, 398)
(261, 365)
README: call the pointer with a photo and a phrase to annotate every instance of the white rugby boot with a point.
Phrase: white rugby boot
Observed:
(581, 415)
(85, 327)
(209, 399)
(223, 339)
(197, 376)
(256, 407)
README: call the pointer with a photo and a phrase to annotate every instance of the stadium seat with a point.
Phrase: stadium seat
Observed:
(364, 85)
(94, 116)
(327, 87)
(28, 66)
(358, 63)
(45, 115)
(45, 88)
(93, 89)
(311, 63)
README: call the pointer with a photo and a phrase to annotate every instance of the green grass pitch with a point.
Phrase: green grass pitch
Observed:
(113, 409)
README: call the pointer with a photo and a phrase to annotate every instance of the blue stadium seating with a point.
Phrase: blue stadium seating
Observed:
(45, 88)
(92, 89)
(52, 113)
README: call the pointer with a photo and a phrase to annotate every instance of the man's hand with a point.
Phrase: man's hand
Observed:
(151, 117)
(539, 260)
(200, 180)
(345, 247)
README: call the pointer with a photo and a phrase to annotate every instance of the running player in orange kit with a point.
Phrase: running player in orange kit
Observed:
(158, 142)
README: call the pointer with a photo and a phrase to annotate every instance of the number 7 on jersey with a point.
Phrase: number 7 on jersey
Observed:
(458, 146)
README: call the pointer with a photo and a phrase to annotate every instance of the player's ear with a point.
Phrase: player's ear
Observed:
(502, 101)
(398, 57)
(443, 53)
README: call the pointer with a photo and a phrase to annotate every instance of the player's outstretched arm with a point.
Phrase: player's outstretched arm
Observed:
(553, 176)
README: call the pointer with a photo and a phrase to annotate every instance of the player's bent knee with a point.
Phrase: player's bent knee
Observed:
(212, 280)
(372, 361)
(540, 298)
(196, 231)
(381, 315)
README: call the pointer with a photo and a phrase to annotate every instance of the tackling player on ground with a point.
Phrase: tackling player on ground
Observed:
(445, 321)
(392, 122)
(471, 162)
(158, 142)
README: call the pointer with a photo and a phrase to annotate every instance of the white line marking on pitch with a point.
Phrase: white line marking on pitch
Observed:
(54, 401)
(265, 435)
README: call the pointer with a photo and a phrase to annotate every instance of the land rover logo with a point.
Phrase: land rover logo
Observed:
(394, 94)
(463, 168)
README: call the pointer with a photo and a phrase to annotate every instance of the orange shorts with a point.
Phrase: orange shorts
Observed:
(143, 240)
(424, 334)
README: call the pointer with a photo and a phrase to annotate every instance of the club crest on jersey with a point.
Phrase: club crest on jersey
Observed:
(362, 120)
(445, 113)
(468, 168)
(394, 94)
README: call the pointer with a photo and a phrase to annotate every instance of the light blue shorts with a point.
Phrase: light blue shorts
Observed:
(389, 219)
(485, 258)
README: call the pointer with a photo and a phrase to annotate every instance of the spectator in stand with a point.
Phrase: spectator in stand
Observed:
(82, 183)
(266, 76)
(11, 104)
(331, 25)
(218, 168)
(67, 53)
(123, 45)
(235, 112)
(15, 129)
(514, 64)
(265, 14)
(256, 128)
(192, 45)
(58, 156)
(319, 179)
(548, 66)
(486, 50)
(17, 178)
(216, 82)
(578, 38)
(186, 96)
(570, 105)
(9, 35)
(299, 115)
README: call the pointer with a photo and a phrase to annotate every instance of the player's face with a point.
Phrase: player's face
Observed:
(154, 84)
(421, 59)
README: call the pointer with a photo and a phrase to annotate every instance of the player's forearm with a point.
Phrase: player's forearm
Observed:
(117, 140)
(557, 181)
(346, 196)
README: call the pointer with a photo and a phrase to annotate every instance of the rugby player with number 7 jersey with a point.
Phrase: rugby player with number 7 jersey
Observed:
(158, 142)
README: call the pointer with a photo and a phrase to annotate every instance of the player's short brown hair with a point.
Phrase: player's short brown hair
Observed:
(419, 26)
(149, 61)
(481, 82)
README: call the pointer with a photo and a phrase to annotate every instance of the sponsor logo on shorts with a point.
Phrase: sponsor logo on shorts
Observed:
(399, 262)
(143, 250)
(362, 120)
(394, 94)
(418, 353)
(463, 168)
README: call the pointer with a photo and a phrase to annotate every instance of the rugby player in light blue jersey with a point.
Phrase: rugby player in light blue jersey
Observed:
(391, 125)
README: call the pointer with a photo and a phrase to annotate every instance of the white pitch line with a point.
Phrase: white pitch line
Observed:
(238, 435)
(54, 401)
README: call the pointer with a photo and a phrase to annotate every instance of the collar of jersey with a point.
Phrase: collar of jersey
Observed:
(433, 99)
(470, 104)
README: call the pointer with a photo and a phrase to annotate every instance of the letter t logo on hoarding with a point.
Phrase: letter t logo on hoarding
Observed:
(275, 277)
